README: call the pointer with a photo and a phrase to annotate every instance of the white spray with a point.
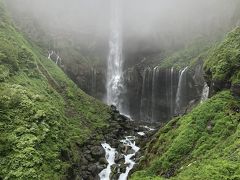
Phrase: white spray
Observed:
(115, 59)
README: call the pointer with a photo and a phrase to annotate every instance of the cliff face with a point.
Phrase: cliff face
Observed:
(203, 143)
(151, 84)
(152, 92)
(222, 66)
(90, 79)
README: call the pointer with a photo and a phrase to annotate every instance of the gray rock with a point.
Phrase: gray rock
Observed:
(130, 151)
(84, 161)
(97, 152)
(93, 169)
(89, 157)
(119, 158)
(103, 160)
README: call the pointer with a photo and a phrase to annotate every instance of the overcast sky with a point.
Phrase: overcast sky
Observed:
(140, 18)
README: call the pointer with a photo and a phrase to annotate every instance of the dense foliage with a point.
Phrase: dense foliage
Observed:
(42, 112)
(187, 55)
(223, 63)
(201, 145)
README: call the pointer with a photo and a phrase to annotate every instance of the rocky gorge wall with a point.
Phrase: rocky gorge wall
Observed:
(150, 94)
(156, 94)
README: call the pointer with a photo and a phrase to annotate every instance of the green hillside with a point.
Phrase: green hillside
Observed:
(42, 112)
(203, 144)
(45, 117)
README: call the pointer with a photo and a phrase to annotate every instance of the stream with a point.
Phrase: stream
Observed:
(130, 151)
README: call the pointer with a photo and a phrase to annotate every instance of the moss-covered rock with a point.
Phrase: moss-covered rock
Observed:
(223, 62)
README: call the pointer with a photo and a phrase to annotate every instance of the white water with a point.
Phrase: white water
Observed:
(115, 60)
(58, 59)
(143, 94)
(50, 54)
(155, 73)
(171, 93)
(141, 133)
(145, 99)
(129, 141)
(148, 128)
(179, 90)
(205, 93)
(93, 85)
(110, 156)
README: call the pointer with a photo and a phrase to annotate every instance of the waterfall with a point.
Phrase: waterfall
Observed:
(149, 96)
(154, 89)
(146, 98)
(180, 90)
(163, 93)
(93, 82)
(50, 53)
(58, 58)
(167, 75)
(171, 92)
(205, 93)
(142, 107)
(115, 59)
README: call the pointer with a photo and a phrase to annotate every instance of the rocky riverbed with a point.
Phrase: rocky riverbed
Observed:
(119, 136)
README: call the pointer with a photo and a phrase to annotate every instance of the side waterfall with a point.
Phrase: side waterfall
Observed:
(158, 94)
(93, 85)
(180, 89)
(154, 89)
(142, 108)
(171, 92)
(52, 55)
(205, 93)
(115, 59)
(146, 98)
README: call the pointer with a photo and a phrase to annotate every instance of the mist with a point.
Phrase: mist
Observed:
(154, 23)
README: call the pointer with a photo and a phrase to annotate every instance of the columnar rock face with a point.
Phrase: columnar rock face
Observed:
(91, 80)
(152, 92)
(158, 94)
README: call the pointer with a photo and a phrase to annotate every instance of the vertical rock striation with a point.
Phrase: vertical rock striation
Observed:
(161, 93)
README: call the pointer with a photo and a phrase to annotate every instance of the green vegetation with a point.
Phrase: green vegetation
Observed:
(223, 62)
(186, 56)
(41, 111)
(201, 145)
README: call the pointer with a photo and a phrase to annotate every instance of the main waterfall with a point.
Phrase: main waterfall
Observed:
(115, 58)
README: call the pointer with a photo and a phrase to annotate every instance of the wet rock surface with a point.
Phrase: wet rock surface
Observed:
(92, 155)
(235, 89)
